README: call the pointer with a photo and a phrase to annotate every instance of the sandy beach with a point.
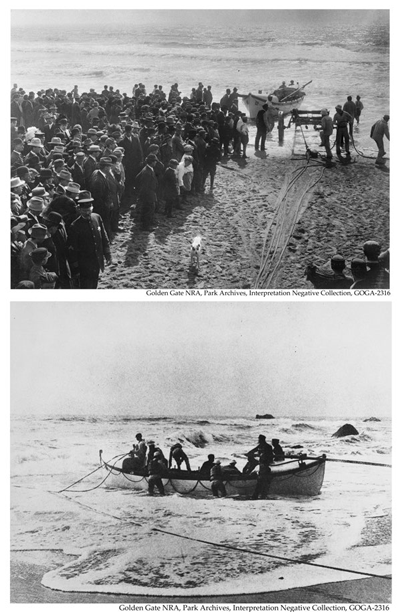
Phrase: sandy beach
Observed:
(347, 205)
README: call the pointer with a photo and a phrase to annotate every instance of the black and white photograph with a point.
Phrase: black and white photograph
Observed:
(200, 148)
(201, 453)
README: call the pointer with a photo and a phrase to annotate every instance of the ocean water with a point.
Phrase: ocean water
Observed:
(110, 535)
(342, 52)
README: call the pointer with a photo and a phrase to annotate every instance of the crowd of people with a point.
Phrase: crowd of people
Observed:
(146, 458)
(366, 273)
(77, 161)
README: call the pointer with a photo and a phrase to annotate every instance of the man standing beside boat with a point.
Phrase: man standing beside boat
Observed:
(261, 129)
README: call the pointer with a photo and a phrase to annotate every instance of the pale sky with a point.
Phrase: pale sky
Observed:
(197, 358)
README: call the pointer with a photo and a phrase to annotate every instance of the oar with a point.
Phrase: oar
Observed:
(341, 460)
(298, 89)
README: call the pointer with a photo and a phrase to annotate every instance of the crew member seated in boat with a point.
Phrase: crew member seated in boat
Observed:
(137, 456)
(138, 452)
(279, 454)
(263, 477)
(230, 469)
(156, 470)
(254, 455)
(216, 477)
(206, 466)
(178, 455)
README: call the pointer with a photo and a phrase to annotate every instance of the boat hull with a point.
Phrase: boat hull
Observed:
(287, 479)
(254, 104)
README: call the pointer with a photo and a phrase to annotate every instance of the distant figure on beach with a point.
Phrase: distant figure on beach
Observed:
(216, 479)
(179, 456)
(359, 108)
(378, 131)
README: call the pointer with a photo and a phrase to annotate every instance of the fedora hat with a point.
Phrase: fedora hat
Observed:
(39, 191)
(93, 148)
(36, 204)
(64, 175)
(85, 198)
(75, 188)
(55, 141)
(38, 231)
(16, 182)
(39, 254)
(35, 142)
(52, 218)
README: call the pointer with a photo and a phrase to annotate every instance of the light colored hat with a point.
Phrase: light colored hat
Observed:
(56, 141)
(35, 142)
(36, 204)
(93, 148)
(39, 191)
(324, 112)
(16, 182)
(75, 188)
(64, 175)
(58, 149)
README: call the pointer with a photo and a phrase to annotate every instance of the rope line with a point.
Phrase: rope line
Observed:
(273, 556)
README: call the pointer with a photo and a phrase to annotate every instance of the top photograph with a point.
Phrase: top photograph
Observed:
(200, 149)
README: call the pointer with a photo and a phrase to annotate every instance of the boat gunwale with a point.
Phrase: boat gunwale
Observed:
(196, 476)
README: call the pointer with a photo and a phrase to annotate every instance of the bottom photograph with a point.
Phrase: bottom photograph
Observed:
(200, 452)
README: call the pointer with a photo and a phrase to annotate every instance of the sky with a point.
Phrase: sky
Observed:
(201, 358)
(34, 17)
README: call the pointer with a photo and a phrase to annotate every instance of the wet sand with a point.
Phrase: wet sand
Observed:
(348, 205)
(28, 569)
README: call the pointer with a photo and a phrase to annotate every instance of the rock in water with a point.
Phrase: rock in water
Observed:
(371, 419)
(265, 416)
(346, 429)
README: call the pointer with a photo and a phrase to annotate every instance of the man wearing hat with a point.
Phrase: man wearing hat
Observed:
(88, 243)
(17, 188)
(171, 188)
(35, 157)
(133, 159)
(377, 266)
(37, 235)
(49, 128)
(64, 177)
(101, 192)
(333, 278)
(378, 131)
(147, 192)
(56, 227)
(90, 164)
(77, 170)
(212, 157)
(326, 131)
(16, 154)
(41, 277)
(341, 120)
(216, 479)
